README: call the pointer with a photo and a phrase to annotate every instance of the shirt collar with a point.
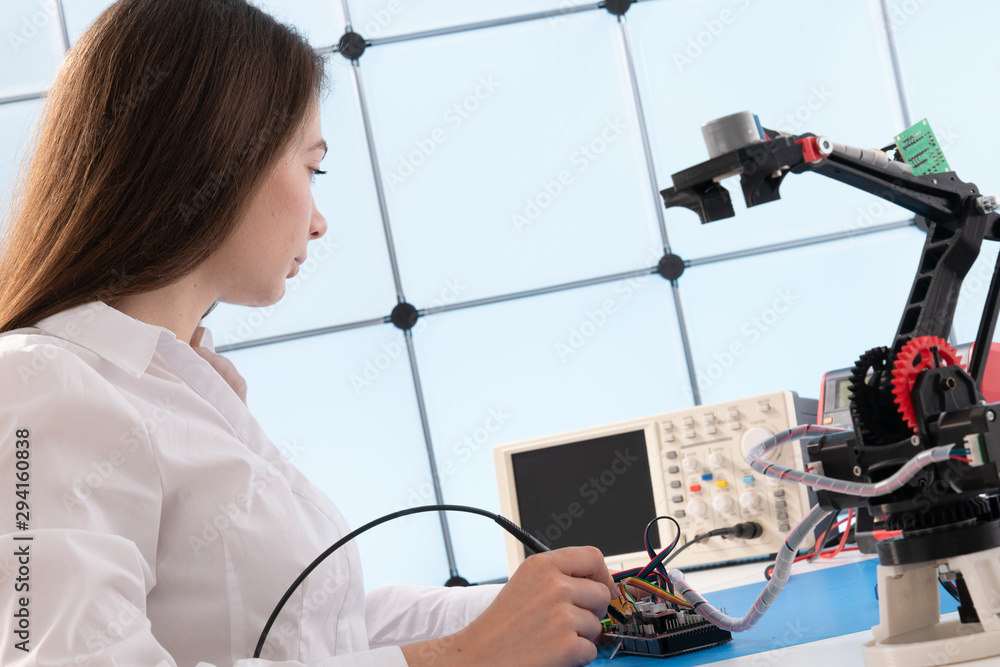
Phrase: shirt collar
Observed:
(108, 333)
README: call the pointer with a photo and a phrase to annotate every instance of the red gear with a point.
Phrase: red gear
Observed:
(913, 359)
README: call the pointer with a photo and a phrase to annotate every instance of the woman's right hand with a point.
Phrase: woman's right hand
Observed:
(548, 615)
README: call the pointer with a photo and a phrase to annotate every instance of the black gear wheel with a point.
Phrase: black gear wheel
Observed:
(873, 409)
(965, 509)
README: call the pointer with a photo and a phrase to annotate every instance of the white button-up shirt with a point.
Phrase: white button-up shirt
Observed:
(147, 519)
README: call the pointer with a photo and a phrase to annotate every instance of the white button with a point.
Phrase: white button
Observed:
(736, 426)
(715, 459)
(711, 430)
(751, 500)
(710, 418)
(734, 413)
(722, 503)
(697, 508)
(752, 438)
(667, 426)
(690, 463)
(764, 407)
(689, 421)
(689, 434)
(668, 437)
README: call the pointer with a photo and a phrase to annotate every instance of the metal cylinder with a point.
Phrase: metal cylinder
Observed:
(728, 133)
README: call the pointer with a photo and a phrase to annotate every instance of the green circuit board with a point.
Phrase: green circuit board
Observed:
(921, 150)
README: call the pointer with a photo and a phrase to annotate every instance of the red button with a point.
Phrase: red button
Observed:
(695, 488)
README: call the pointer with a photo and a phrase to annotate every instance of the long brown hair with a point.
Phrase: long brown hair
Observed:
(161, 121)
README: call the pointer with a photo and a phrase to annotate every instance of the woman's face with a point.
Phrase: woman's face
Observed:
(270, 242)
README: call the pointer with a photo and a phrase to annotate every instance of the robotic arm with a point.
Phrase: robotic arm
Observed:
(909, 396)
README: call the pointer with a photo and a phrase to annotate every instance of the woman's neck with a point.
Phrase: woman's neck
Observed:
(178, 307)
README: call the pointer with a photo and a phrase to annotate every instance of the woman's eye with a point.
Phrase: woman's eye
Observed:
(317, 172)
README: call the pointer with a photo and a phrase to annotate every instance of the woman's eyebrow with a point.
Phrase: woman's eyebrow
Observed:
(320, 144)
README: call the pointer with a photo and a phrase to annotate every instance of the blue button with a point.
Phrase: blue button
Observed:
(748, 479)
(707, 476)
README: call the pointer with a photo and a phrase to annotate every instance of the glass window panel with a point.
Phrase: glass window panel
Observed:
(590, 356)
(80, 14)
(348, 277)
(972, 298)
(781, 320)
(17, 122)
(320, 21)
(504, 174)
(382, 18)
(360, 441)
(944, 50)
(697, 61)
(32, 46)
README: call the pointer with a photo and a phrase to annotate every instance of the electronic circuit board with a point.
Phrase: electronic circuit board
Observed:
(921, 150)
(655, 631)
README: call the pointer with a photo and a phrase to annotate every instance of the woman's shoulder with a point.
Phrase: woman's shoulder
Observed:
(32, 355)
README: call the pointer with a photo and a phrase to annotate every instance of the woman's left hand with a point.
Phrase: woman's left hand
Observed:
(221, 364)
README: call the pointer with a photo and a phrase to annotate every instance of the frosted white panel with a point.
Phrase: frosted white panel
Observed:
(31, 46)
(80, 14)
(511, 168)
(347, 277)
(781, 320)
(950, 66)
(383, 18)
(17, 122)
(786, 61)
(539, 366)
(320, 21)
(972, 298)
(356, 434)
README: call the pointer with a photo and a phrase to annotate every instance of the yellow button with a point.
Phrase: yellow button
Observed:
(827, 420)
(721, 483)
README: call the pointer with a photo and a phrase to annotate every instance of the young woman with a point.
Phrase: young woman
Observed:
(149, 520)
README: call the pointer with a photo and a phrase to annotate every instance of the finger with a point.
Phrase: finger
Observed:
(590, 595)
(199, 335)
(586, 562)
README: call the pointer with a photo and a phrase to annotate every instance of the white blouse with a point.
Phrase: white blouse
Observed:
(148, 520)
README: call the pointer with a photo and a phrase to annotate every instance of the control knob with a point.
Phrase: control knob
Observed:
(697, 508)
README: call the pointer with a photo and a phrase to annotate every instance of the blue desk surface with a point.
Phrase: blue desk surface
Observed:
(814, 605)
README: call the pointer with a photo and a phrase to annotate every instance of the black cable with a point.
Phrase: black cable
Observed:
(522, 536)
(748, 530)
(528, 540)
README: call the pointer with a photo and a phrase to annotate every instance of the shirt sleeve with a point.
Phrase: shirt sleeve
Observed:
(399, 614)
(78, 561)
